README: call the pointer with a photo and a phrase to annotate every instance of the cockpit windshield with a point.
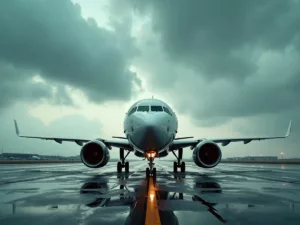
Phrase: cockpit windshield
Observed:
(143, 108)
(156, 108)
(132, 111)
(167, 111)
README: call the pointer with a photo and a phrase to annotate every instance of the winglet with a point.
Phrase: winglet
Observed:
(288, 132)
(17, 129)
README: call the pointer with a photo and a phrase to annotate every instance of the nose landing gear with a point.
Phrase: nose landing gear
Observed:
(151, 170)
(122, 164)
(179, 163)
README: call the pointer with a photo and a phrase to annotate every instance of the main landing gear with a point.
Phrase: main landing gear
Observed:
(151, 170)
(179, 163)
(122, 164)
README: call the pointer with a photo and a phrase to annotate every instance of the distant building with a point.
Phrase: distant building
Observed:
(255, 158)
(18, 155)
(261, 158)
(27, 156)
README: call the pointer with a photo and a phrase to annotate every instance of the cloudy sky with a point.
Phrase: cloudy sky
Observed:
(73, 68)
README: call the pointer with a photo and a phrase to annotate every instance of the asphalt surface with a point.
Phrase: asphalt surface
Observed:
(75, 194)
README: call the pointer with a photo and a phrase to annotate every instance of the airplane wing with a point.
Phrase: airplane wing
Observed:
(118, 144)
(224, 141)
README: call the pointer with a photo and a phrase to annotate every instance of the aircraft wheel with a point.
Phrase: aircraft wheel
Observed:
(175, 167)
(147, 172)
(126, 167)
(119, 167)
(182, 167)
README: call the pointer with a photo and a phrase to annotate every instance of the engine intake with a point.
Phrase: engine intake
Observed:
(94, 154)
(207, 154)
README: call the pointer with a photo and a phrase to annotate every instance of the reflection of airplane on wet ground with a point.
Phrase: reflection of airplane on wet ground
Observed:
(150, 127)
(167, 199)
(73, 194)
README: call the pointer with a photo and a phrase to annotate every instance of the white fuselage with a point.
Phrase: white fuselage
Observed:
(150, 125)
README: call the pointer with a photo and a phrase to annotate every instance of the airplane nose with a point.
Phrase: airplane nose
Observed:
(151, 134)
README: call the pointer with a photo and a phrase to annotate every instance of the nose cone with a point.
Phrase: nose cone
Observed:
(153, 136)
(151, 133)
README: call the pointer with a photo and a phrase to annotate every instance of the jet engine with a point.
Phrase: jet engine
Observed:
(94, 154)
(207, 154)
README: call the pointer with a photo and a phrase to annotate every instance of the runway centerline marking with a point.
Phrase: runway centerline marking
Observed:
(152, 213)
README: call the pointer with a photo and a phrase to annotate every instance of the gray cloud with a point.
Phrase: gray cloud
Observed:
(234, 62)
(218, 37)
(18, 85)
(223, 59)
(50, 38)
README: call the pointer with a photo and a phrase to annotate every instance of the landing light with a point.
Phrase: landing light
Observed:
(151, 154)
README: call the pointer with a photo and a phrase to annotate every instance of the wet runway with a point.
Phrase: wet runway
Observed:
(75, 194)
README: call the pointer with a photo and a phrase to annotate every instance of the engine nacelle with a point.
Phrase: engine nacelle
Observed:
(94, 154)
(207, 154)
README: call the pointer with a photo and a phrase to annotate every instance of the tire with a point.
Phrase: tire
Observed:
(119, 167)
(182, 167)
(175, 167)
(126, 167)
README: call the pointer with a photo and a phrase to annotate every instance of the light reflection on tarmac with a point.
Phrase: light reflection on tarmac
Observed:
(75, 194)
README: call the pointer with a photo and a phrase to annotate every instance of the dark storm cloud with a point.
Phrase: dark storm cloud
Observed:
(225, 59)
(218, 37)
(18, 85)
(50, 38)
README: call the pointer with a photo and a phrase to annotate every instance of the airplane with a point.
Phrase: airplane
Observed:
(150, 128)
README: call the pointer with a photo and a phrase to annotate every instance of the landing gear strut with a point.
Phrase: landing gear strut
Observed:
(179, 163)
(122, 164)
(151, 170)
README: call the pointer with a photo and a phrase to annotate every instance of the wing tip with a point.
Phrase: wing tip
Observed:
(16, 128)
(288, 132)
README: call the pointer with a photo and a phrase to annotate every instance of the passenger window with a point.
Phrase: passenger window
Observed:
(132, 111)
(155, 108)
(144, 108)
(167, 111)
